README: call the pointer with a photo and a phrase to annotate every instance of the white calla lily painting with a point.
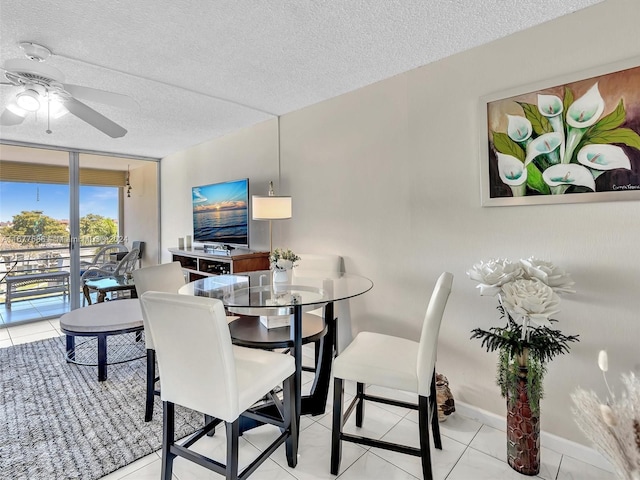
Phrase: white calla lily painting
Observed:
(574, 142)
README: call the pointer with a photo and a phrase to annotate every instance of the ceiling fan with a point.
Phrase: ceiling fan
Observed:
(42, 87)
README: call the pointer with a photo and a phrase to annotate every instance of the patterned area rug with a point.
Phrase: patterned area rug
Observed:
(58, 422)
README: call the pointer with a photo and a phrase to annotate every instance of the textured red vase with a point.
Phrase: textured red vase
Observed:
(523, 431)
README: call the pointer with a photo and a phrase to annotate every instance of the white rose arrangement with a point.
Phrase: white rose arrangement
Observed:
(527, 294)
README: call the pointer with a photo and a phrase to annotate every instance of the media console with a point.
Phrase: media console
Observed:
(198, 264)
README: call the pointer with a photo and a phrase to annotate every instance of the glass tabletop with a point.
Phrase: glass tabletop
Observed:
(254, 293)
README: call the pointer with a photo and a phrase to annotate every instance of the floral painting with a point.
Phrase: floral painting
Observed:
(579, 141)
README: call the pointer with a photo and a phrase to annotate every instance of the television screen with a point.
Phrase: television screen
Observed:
(221, 213)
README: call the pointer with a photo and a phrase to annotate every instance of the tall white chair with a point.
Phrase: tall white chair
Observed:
(311, 264)
(167, 277)
(203, 371)
(397, 363)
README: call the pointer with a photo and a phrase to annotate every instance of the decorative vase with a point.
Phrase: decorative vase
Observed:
(523, 430)
(444, 398)
(280, 276)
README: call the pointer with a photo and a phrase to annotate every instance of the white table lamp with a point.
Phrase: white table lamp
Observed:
(270, 207)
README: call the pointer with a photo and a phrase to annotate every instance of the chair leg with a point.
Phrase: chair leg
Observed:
(425, 450)
(433, 404)
(151, 377)
(233, 432)
(360, 405)
(168, 439)
(207, 420)
(290, 419)
(336, 428)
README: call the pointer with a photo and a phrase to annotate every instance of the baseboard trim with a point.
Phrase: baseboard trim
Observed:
(548, 440)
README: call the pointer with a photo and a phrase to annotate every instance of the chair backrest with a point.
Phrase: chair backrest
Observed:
(194, 352)
(332, 264)
(321, 262)
(128, 263)
(103, 256)
(166, 277)
(430, 330)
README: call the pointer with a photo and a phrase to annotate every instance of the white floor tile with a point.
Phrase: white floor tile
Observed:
(456, 426)
(4, 334)
(480, 466)
(372, 467)
(215, 447)
(151, 471)
(494, 442)
(6, 343)
(572, 469)
(55, 323)
(35, 336)
(406, 433)
(30, 329)
(314, 452)
(132, 467)
(377, 421)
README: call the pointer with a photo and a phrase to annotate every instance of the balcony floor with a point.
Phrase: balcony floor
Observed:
(31, 310)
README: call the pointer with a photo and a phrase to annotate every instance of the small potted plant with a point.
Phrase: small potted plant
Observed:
(527, 297)
(281, 262)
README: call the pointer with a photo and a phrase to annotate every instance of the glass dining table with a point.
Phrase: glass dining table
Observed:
(254, 294)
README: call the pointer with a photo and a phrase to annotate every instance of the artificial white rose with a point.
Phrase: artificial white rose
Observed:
(531, 298)
(559, 280)
(492, 275)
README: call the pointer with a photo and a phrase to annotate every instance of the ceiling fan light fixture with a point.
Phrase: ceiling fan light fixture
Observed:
(28, 100)
(56, 107)
(15, 109)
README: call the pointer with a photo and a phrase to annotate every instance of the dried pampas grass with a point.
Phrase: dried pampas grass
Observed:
(614, 426)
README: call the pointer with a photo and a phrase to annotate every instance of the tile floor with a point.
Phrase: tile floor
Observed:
(471, 450)
(23, 311)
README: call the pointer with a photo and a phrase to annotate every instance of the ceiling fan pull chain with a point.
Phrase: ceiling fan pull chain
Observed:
(48, 112)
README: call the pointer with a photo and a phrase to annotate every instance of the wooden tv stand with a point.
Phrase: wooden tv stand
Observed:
(198, 264)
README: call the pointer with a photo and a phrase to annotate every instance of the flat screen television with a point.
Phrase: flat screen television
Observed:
(221, 213)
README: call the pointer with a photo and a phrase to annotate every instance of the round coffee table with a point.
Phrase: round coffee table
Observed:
(101, 320)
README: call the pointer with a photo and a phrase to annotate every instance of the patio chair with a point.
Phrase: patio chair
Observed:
(123, 267)
(102, 259)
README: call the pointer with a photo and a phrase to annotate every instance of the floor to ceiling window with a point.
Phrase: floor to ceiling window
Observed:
(117, 202)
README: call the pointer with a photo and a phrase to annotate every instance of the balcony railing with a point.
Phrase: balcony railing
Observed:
(26, 261)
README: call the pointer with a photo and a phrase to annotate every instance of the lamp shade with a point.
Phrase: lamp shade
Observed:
(270, 207)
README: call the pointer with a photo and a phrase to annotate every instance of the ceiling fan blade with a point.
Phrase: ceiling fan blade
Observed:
(101, 96)
(93, 118)
(8, 118)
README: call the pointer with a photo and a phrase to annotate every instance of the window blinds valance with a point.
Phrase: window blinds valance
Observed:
(35, 173)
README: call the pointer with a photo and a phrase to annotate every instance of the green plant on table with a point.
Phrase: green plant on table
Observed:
(281, 259)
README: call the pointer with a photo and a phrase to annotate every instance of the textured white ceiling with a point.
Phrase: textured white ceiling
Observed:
(200, 69)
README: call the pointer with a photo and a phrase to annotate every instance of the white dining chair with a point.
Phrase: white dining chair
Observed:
(311, 264)
(166, 277)
(202, 370)
(396, 363)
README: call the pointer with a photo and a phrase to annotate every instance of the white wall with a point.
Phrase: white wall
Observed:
(388, 177)
(141, 210)
(251, 152)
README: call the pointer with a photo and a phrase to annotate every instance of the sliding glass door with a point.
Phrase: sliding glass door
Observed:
(57, 208)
